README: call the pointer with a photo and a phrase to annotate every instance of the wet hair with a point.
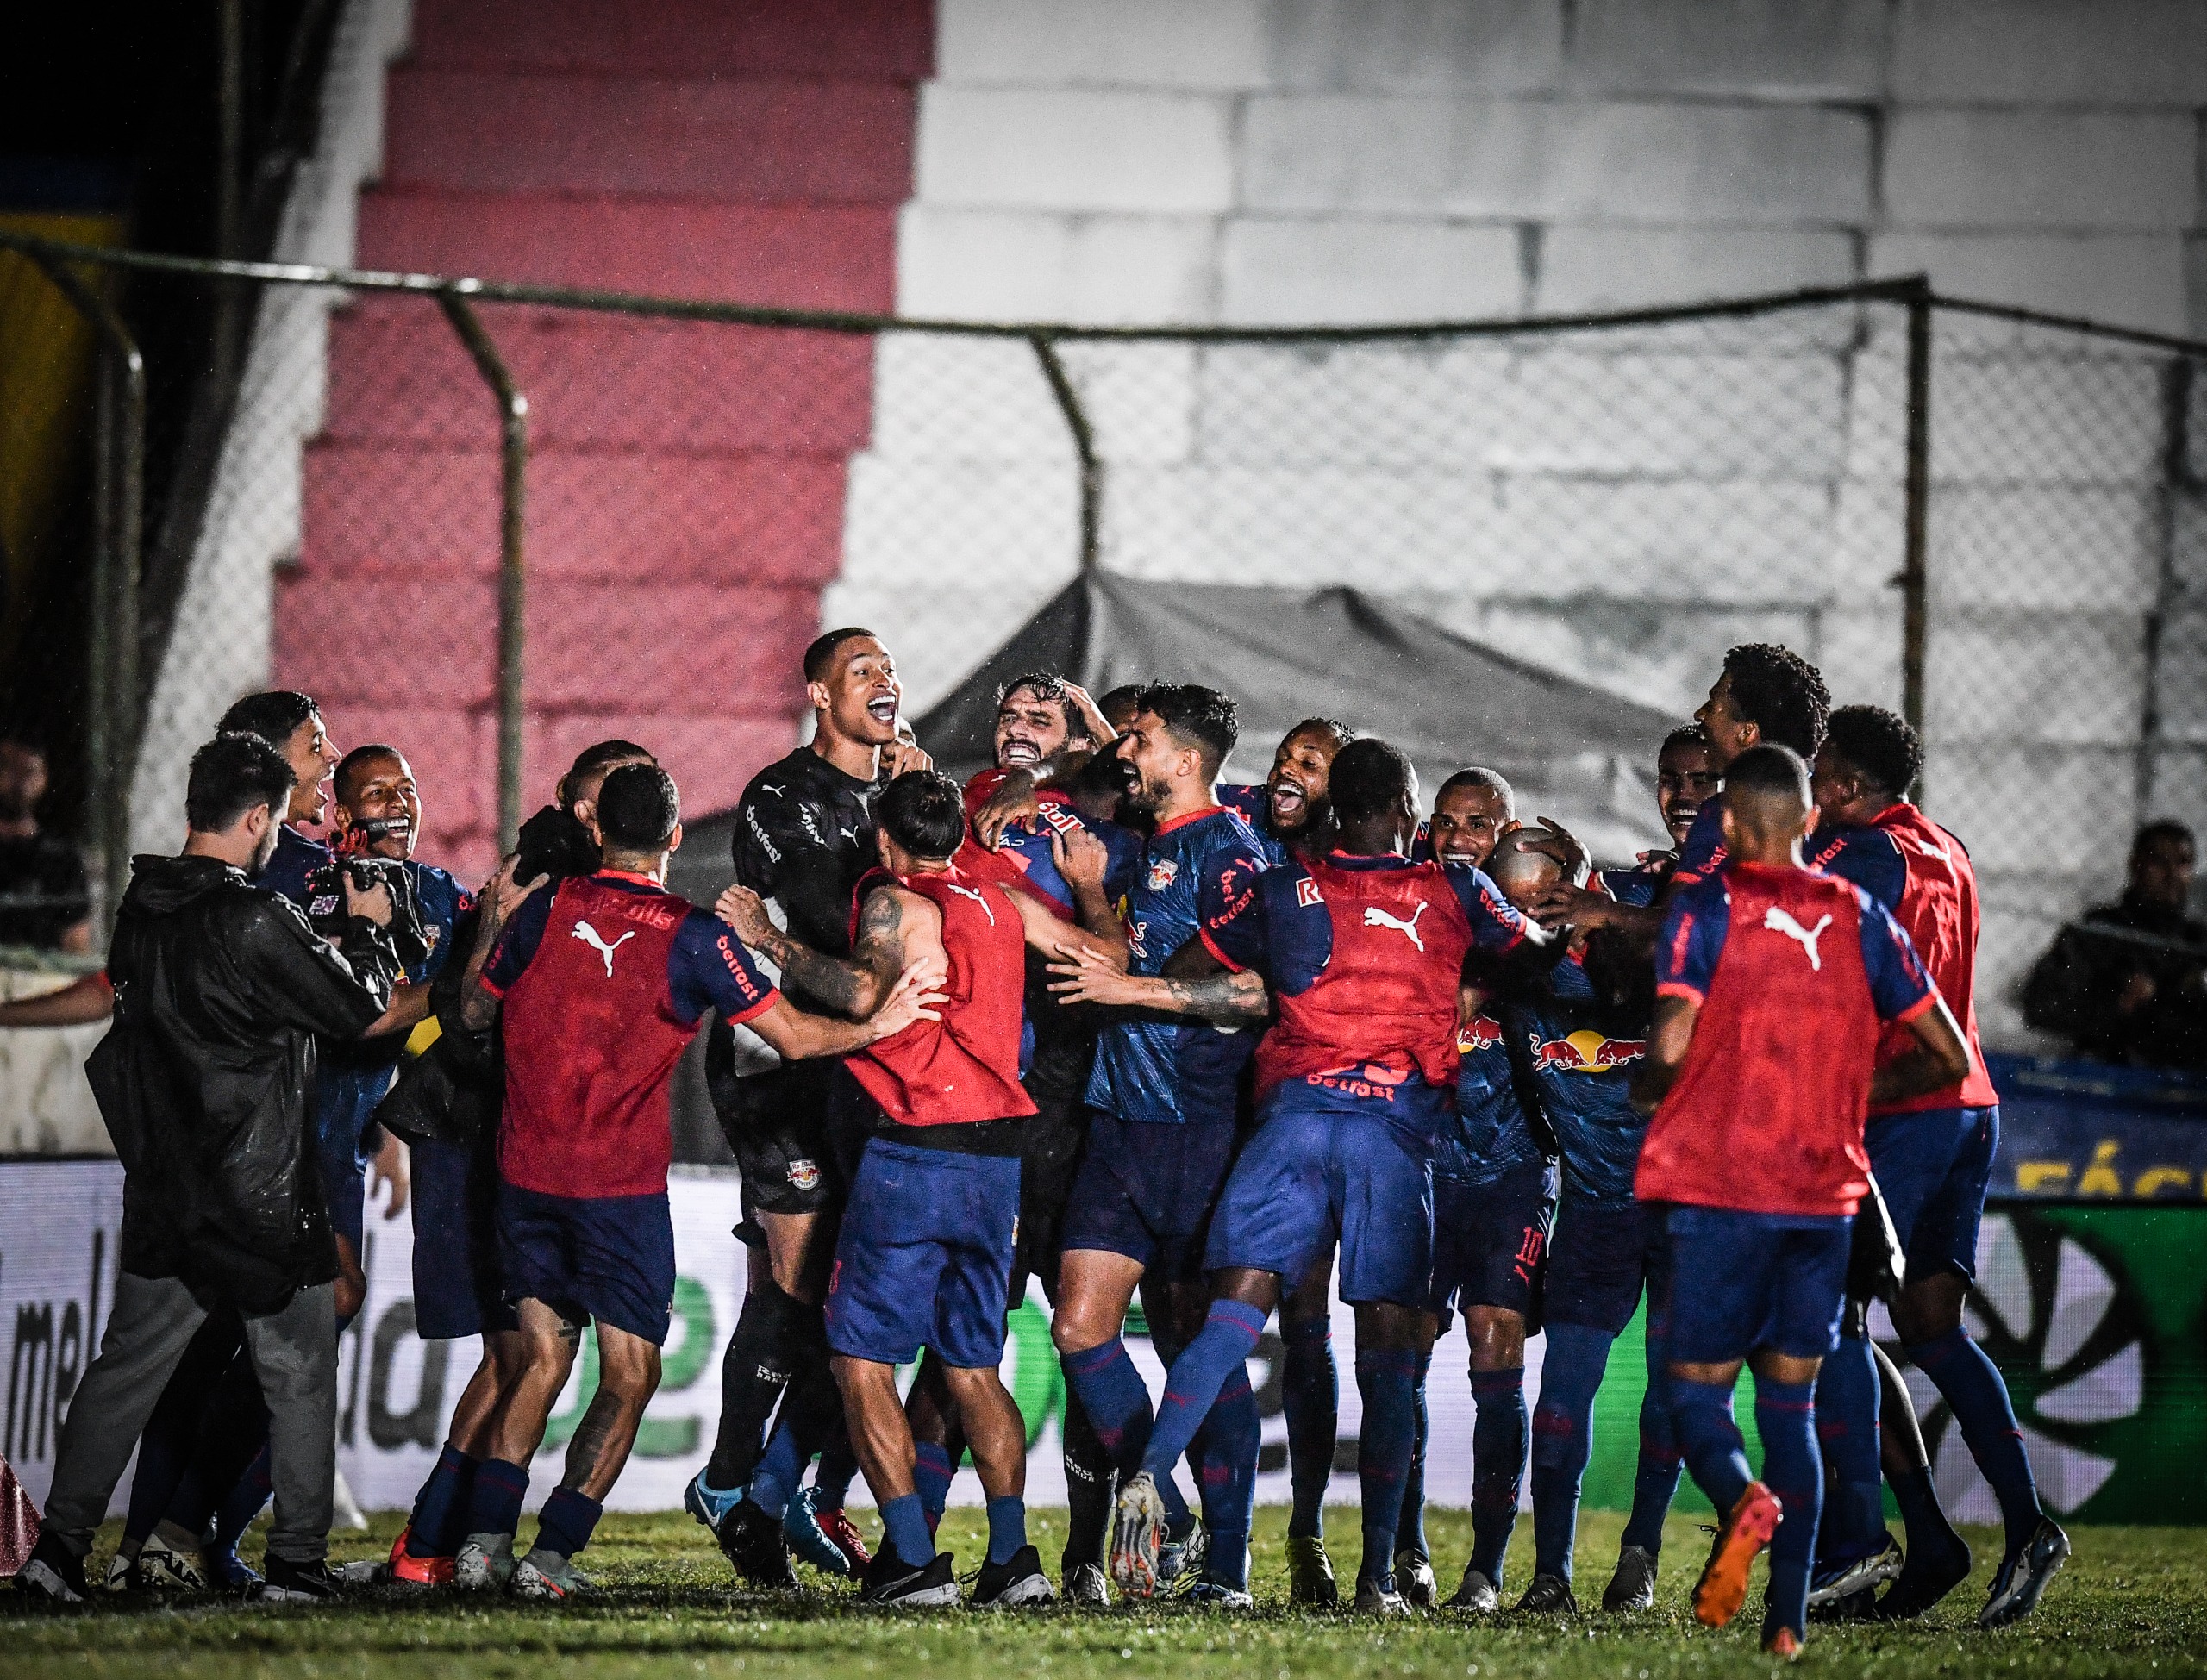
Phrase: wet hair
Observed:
(1339, 734)
(354, 762)
(820, 657)
(595, 759)
(1880, 744)
(1492, 781)
(273, 715)
(1196, 716)
(923, 812)
(1780, 693)
(1050, 688)
(1686, 734)
(230, 775)
(1767, 769)
(2164, 828)
(638, 807)
(1126, 694)
(1369, 779)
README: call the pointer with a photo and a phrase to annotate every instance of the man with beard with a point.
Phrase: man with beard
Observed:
(1290, 807)
(291, 723)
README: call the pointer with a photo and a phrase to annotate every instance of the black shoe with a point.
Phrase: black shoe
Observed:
(286, 1583)
(754, 1545)
(2024, 1576)
(53, 1573)
(1018, 1580)
(1928, 1576)
(890, 1580)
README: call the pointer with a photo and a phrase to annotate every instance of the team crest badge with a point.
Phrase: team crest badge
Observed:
(804, 1175)
(1162, 873)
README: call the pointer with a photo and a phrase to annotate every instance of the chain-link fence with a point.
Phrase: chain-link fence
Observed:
(1990, 520)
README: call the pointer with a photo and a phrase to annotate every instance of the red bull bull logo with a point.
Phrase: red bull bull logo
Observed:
(1587, 1051)
(1482, 1032)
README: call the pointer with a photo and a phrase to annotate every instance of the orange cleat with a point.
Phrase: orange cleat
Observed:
(1723, 1584)
(417, 1572)
(1785, 1645)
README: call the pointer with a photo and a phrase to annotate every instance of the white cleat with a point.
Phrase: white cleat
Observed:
(1136, 1537)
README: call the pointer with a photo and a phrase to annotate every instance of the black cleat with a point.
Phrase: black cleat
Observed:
(1017, 1580)
(2024, 1576)
(893, 1582)
(1928, 1576)
(756, 1548)
(52, 1573)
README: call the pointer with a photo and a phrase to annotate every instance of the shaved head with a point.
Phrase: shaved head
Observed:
(1520, 873)
(1767, 803)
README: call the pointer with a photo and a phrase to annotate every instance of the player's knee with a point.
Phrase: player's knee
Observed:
(1497, 1336)
(1079, 1326)
(1929, 1307)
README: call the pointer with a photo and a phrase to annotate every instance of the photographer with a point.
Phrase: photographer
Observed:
(205, 1083)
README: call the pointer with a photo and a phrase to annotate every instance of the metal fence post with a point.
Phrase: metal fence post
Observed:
(1915, 575)
(513, 636)
(1084, 443)
(118, 514)
(2178, 380)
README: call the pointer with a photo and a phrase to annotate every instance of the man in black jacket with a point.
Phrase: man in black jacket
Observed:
(206, 1083)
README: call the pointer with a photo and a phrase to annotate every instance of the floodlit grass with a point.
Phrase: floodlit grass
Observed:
(2133, 1602)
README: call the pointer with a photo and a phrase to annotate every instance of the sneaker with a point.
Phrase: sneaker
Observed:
(53, 1573)
(1374, 1600)
(1928, 1576)
(890, 1581)
(809, 1540)
(1218, 1596)
(756, 1548)
(1088, 1587)
(1633, 1587)
(163, 1569)
(1310, 1573)
(2024, 1576)
(227, 1571)
(405, 1569)
(1182, 1556)
(1746, 1531)
(1136, 1537)
(286, 1583)
(546, 1574)
(844, 1535)
(484, 1562)
(1477, 1595)
(1548, 1596)
(1414, 1579)
(1842, 1580)
(1784, 1644)
(1017, 1581)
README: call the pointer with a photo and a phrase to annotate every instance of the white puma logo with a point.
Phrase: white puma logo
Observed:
(968, 892)
(1376, 917)
(590, 936)
(1781, 922)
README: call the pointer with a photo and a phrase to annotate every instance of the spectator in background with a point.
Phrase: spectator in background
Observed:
(2127, 983)
(45, 901)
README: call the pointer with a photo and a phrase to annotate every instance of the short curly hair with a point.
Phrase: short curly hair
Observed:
(1880, 744)
(1780, 693)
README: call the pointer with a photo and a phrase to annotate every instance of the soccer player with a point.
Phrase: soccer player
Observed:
(291, 723)
(1773, 984)
(1161, 1134)
(599, 985)
(1473, 810)
(803, 837)
(1932, 1153)
(1290, 807)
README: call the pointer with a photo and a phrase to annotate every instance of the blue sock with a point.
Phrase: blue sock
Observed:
(839, 1467)
(1410, 1528)
(905, 1526)
(1656, 1481)
(1387, 1380)
(1196, 1379)
(244, 1502)
(1226, 1469)
(1714, 1451)
(932, 1472)
(1563, 1439)
(1007, 1527)
(566, 1523)
(1498, 1447)
(1846, 1436)
(1117, 1403)
(1979, 1399)
(780, 1473)
(1310, 1398)
(438, 1507)
(1785, 1415)
(494, 1502)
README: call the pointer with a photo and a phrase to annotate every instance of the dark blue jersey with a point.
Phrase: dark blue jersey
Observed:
(1703, 854)
(1870, 858)
(1492, 1136)
(1638, 886)
(1254, 803)
(296, 858)
(1196, 876)
(1584, 1078)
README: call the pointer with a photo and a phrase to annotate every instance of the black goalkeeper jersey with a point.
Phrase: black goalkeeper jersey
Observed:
(804, 836)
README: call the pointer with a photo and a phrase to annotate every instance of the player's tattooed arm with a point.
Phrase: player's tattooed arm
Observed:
(853, 987)
(1668, 1043)
(501, 896)
(1939, 1058)
(797, 1035)
(1221, 999)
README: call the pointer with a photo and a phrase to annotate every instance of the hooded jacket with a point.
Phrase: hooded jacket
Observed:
(206, 1078)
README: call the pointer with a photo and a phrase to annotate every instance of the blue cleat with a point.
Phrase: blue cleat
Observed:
(801, 1526)
(227, 1573)
(710, 1506)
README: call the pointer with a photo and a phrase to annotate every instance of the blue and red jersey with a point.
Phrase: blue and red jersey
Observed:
(1703, 853)
(1795, 973)
(294, 858)
(1583, 1077)
(1024, 855)
(1639, 885)
(605, 979)
(1491, 1135)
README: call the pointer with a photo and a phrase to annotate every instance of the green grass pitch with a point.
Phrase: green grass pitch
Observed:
(2132, 1602)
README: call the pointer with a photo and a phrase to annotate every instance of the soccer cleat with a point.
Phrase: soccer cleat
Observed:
(1784, 1644)
(1374, 1600)
(405, 1569)
(1218, 1596)
(1927, 1576)
(1087, 1587)
(710, 1506)
(162, 1569)
(1477, 1595)
(52, 1573)
(1414, 1579)
(1633, 1587)
(228, 1572)
(1136, 1537)
(1310, 1573)
(2023, 1576)
(1548, 1596)
(755, 1547)
(844, 1535)
(1831, 1587)
(1017, 1581)
(546, 1574)
(1183, 1555)
(1746, 1529)
(891, 1582)
(287, 1583)
(809, 1538)
(484, 1562)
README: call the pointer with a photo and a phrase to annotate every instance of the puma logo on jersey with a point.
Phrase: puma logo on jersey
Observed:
(968, 892)
(590, 936)
(1930, 850)
(1781, 922)
(1376, 917)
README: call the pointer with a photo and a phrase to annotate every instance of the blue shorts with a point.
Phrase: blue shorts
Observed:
(1147, 1191)
(458, 1290)
(1601, 1255)
(1741, 1281)
(1489, 1240)
(1315, 1167)
(1934, 1168)
(924, 1259)
(607, 1257)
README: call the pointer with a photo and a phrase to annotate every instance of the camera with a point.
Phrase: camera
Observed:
(328, 916)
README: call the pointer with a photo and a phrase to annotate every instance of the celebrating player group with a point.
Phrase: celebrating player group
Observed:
(1097, 1021)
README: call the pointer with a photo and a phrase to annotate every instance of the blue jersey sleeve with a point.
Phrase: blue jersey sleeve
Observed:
(1692, 939)
(516, 946)
(443, 901)
(1703, 854)
(1225, 893)
(1869, 858)
(1123, 849)
(1899, 986)
(1496, 925)
(1298, 931)
(707, 968)
(1637, 887)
